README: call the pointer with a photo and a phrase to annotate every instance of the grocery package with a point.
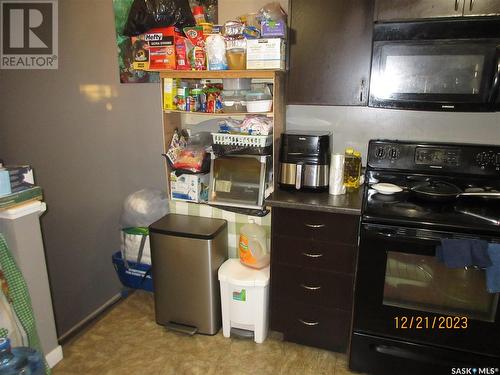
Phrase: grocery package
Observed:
(272, 21)
(145, 15)
(252, 250)
(155, 50)
(216, 52)
(235, 45)
(183, 48)
(169, 92)
(189, 187)
(188, 153)
(199, 97)
(257, 125)
(190, 159)
(167, 35)
(265, 53)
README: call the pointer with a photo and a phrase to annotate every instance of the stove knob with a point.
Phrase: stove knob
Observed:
(497, 160)
(482, 159)
(393, 153)
(380, 152)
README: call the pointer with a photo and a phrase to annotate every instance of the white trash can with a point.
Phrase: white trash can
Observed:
(244, 298)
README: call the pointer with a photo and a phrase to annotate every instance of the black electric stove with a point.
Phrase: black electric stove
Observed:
(463, 213)
(399, 276)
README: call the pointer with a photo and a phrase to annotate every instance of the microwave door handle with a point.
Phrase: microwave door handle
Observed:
(495, 84)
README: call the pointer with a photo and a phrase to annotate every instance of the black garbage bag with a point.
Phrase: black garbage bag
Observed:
(148, 14)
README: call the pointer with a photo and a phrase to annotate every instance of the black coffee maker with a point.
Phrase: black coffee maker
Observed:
(305, 160)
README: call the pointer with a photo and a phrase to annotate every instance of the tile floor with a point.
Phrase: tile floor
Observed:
(126, 340)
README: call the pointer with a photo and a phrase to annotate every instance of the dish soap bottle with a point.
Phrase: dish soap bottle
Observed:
(352, 169)
(252, 247)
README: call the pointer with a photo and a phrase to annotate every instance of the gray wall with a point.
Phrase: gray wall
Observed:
(88, 154)
(355, 126)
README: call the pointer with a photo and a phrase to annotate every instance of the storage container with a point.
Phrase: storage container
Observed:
(258, 102)
(244, 299)
(232, 84)
(242, 181)
(233, 101)
(186, 253)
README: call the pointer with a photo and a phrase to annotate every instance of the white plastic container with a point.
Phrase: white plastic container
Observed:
(258, 102)
(252, 248)
(244, 299)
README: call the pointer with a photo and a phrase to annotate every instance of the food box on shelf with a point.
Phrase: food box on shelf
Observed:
(267, 53)
(169, 93)
(189, 187)
(155, 50)
(273, 29)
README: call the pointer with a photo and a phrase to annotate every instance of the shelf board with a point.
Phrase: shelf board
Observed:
(218, 73)
(224, 114)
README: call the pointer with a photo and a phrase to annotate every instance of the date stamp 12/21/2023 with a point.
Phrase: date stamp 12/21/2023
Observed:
(431, 322)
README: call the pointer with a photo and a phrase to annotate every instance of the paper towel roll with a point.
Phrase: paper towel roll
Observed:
(336, 183)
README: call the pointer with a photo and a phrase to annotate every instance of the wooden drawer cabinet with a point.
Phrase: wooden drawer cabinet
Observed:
(313, 260)
(314, 254)
(314, 225)
(321, 288)
(312, 325)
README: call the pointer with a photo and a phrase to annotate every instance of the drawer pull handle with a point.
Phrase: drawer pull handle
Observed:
(310, 324)
(309, 287)
(315, 225)
(312, 255)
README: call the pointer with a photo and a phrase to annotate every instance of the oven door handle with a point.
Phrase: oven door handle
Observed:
(495, 84)
(394, 351)
(393, 234)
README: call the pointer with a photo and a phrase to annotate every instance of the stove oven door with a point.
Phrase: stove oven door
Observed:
(404, 293)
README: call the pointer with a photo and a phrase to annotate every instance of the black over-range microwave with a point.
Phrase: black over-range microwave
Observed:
(450, 65)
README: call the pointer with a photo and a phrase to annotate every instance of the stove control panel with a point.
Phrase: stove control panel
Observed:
(433, 156)
(387, 152)
(488, 159)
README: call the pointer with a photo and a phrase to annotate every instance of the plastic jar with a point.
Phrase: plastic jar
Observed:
(236, 58)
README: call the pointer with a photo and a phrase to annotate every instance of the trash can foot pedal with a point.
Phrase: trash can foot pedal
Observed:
(242, 333)
(189, 330)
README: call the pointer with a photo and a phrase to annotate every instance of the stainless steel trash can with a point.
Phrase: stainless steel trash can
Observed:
(186, 252)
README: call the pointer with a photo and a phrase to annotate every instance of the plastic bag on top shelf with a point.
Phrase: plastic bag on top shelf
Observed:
(149, 14)
(144, 207)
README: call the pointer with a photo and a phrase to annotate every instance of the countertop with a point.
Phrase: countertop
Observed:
(349, 203)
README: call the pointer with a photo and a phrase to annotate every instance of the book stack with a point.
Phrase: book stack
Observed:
(23, 188)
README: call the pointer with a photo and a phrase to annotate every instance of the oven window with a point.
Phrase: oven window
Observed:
(419, 282)
(423, 70)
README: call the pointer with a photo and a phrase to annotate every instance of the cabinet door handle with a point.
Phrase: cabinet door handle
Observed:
(306, 323)
(309, 287)
(309, 255)
(315, 225)
(361, 90)
(471, 5)
(456, 5)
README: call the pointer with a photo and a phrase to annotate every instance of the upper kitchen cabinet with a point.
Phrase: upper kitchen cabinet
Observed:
(482, 8)
(330, 52)
(393, 10)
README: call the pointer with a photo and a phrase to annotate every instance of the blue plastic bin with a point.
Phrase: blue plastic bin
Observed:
(136, 276)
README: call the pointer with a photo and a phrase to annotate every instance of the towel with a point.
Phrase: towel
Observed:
(463, 253)
(16, 300)
(493, 272)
